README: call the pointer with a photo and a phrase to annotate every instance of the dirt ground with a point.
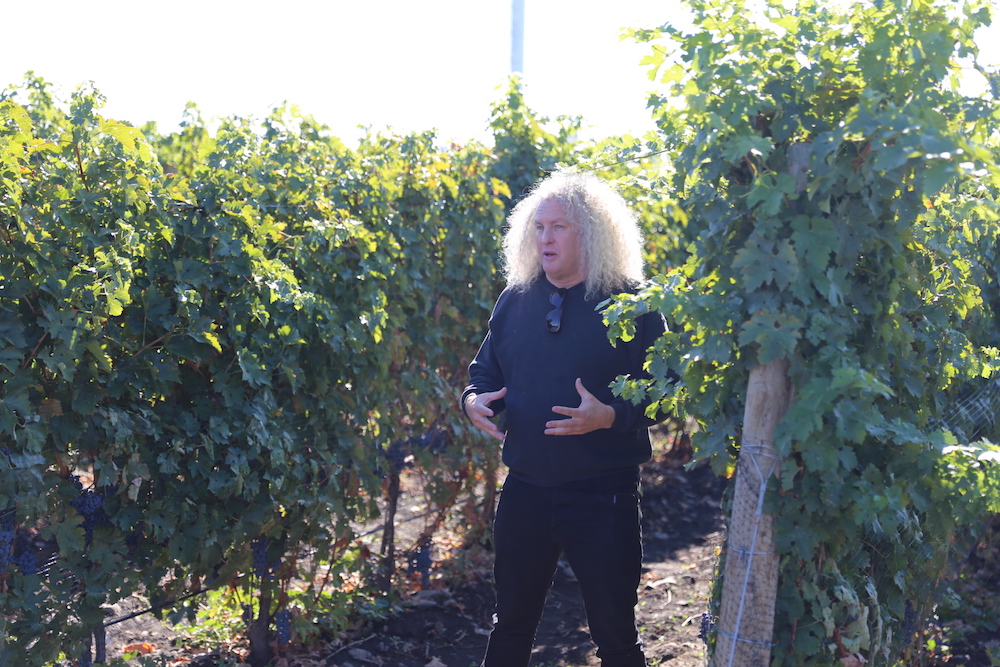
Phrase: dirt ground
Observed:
(447, 625)
(682, 529)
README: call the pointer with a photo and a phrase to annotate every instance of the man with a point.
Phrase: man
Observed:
(572, 449)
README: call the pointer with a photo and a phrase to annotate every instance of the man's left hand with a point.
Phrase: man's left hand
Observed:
(590, 416)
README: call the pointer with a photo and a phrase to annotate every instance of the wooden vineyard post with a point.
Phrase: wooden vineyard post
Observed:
(750, 584)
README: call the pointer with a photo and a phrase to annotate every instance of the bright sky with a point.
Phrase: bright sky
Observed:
(411, 65)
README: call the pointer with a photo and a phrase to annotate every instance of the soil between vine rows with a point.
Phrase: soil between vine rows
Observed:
(447, 625)
(682, 531)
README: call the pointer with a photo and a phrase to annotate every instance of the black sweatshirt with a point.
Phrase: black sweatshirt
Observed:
(540, 368)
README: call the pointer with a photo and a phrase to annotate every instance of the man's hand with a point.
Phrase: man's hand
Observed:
(477, 406)
(590, 416)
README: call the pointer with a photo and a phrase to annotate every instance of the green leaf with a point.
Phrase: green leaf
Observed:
(131, 138)
(937, 175)
(212, 339)
(775, 334)
(888, 158)
(254, 371)
(764, 262)
(742, 145)
(69, 537)
(11, 330)
(10, 406)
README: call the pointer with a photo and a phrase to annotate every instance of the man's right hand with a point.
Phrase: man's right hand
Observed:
(477, 406)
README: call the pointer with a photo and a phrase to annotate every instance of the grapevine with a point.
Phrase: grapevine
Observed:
(221, 326)
(831, 237)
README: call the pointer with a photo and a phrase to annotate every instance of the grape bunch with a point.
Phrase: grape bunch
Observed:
(396, 454)
(212, 578)
(90, 505)
(283, 624)
(435, 442)
(259, 549)
(25, 560)
(322, 478)
(262, 567)
(247, 615)
(7, 531)
(420, 563)
(909, 624)
(707, 623)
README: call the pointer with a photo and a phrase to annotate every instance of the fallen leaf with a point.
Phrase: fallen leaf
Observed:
(853, 660)
(142, 649)
(435, 663)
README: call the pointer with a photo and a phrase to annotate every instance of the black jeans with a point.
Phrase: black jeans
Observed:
(596, 524)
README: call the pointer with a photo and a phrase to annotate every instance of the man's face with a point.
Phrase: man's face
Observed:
(558, 242)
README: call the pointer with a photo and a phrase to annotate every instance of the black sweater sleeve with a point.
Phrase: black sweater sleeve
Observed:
(485, 375)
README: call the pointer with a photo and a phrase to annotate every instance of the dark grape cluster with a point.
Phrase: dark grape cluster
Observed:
(420, 563)
(262, 567)
(909, 623)
(322, 478)
(247, 615)
(7, 531)
(25, 559)
(259, 549)
(132, 540)
(396, 454)
(707, 623)
(90, 505)
(283, 624)
(435, 442)
(15, 547)
(212, 578)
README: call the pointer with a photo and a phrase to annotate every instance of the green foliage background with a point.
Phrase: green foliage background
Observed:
(222, 349)
(844, 196)
(222, 330)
